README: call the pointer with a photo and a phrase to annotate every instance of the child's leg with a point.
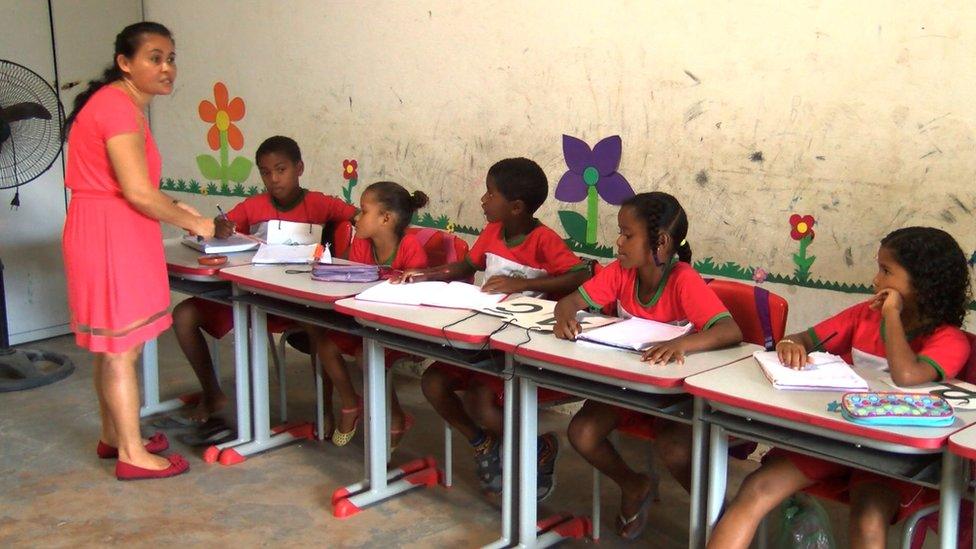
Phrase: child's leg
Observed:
(187, 323)
(765, 488)
(482, 401)
(439, 388)
(335, 368)
(588, 432)
(672, 444)
(873, 507)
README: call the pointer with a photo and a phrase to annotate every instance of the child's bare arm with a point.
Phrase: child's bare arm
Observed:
(906, 369)
(567, 326)
(451, 271)
(792, 350)
(723, 333)
(550, 285)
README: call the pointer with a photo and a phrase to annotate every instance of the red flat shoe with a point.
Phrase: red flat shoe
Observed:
(157, 443)
(127, 471)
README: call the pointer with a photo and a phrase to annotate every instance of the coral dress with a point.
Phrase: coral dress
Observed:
(118, 289)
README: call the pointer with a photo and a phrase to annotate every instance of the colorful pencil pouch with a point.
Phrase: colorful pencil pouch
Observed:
(907, 409)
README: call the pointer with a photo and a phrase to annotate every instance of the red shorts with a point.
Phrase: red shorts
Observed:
(635, 424)
(217, 319)
(463, 379)
(834, 481)
(351, 345)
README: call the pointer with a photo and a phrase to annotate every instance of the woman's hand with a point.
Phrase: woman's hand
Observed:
(203, 227)
(663, 353)
(792, 354)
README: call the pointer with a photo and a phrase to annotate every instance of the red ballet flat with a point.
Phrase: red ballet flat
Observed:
(157, 443)
(127, 471)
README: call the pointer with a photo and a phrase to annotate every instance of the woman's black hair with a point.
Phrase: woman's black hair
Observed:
(661, 212)
(127, 43)
(394, 198)
(939, 274)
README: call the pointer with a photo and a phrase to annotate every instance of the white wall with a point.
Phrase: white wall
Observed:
(862, 111)
(31, 243)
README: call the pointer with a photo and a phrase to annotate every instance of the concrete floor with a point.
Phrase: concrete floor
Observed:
(55, 492)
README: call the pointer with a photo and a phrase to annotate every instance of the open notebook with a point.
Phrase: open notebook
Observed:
(453, 295)
(635, 334)
(283, 254)
(233, 243)
(827, 372)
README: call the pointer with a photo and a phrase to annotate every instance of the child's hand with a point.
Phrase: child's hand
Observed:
(566, 327)
(500, 284)
(662, 353)
(223, 227)
(410, 275)
(888, 301)
(791, 354)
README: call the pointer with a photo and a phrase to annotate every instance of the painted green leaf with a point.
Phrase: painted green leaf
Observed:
(209, 166)
(239, 169)
(574, 224)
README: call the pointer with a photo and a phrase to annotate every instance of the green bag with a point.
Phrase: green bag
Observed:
(804, 524)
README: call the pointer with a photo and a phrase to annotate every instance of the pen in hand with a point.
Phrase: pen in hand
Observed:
(821, 346)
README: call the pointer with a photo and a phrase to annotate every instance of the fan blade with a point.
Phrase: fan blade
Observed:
(24, 111)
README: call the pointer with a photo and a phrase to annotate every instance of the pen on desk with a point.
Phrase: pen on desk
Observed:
(821, 346)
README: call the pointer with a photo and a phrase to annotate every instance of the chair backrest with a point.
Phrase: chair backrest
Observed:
(968, 372)
(441, 247)
(338, 236)
(760, 314)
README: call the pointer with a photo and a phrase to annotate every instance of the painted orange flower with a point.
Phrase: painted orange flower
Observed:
(349, 168)
(801, 226)
(222, 114)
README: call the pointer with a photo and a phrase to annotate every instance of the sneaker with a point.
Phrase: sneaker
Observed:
(546, 477)
(488, 461)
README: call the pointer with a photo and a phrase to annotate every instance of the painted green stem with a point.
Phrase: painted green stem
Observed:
(224, 161)
(592, 202)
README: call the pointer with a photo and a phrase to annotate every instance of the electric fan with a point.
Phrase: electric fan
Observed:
(31, 119)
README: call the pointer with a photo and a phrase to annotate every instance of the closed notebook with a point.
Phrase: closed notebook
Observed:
(635, 334)
(281, 254)
(452, 295)
(827, 372)
(233, 243)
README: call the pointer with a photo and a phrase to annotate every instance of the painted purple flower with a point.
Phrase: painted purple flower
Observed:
(592, 173)
(759, 275)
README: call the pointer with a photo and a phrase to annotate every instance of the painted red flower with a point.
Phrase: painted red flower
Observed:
(349, 168)
(801, 226)
(222, 113)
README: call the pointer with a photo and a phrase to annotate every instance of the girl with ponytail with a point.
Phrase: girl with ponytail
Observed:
(652, 278)
(118, 289)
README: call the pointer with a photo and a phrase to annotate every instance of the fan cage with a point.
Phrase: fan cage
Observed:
(35, 143)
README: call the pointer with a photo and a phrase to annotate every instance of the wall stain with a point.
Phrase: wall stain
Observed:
(947, 215)
(849, 257)
(960, 204)
(756, 156)
(701, 178)
(693, 77)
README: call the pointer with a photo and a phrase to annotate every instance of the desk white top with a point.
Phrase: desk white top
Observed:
(273, 281)
(963, 443)
(610, 365)
(181, 261)
(467, 328)
(742, 387)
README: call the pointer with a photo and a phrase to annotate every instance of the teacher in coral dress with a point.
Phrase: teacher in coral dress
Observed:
(118, 290)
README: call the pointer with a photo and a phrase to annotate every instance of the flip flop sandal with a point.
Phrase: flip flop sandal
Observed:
(408, 422)
(341, 439)
(640, 518)
(214, 431)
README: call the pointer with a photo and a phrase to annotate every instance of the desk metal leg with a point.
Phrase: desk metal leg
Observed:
(508, 461)
(150, 384)
(242, 384)
(699, 443)
(527, 432)
(718, 466)
(951, 487)
(265, 438)
(379, 484)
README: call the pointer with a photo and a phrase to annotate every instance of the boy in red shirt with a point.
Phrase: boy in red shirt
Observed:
(518, 254)
(279, 161)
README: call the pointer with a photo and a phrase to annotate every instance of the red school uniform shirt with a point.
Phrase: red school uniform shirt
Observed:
(542, 249)
(408, 255)
(681, 295)
(860, 340)
(314, 207)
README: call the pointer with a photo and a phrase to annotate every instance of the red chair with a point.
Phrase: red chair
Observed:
(441, 247)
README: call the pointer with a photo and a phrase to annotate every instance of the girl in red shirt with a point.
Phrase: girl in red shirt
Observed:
(646, 281)
(911, 326)
(386, 209)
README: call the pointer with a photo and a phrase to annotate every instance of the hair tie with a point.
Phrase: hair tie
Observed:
(684, 242)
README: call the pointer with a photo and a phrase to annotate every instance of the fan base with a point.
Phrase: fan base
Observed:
(22, 369)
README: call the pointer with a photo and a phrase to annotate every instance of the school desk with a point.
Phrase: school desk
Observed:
(609, 375)
(454, 336)
(290, 292)
(186, 276)
(738, 400)
(963, 444)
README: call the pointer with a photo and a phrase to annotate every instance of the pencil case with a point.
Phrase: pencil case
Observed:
(328, 272)
(906, 409)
